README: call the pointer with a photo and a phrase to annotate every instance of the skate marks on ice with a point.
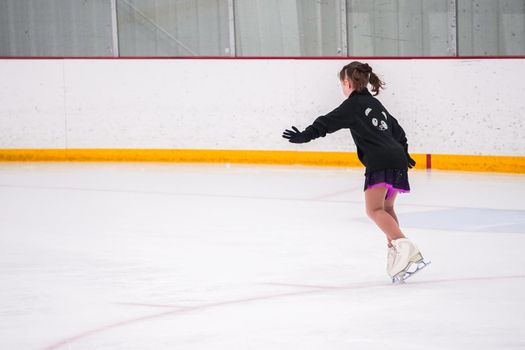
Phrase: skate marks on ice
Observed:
(366, 285)
(174, 310)
(468, 219)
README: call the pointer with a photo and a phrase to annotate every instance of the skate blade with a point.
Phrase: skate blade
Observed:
(411, 270)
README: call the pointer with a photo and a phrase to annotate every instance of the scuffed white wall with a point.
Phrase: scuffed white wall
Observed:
(453, 106)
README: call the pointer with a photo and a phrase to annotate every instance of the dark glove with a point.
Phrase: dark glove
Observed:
(295, 136)
(411, 162)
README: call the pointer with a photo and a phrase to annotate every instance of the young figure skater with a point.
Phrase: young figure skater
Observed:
(383, 150)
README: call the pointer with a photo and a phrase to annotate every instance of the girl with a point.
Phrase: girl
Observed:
(383, 150)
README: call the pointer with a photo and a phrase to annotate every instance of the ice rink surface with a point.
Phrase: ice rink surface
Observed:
(173, 256)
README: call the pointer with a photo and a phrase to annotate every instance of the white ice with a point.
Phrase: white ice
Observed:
(171, 256)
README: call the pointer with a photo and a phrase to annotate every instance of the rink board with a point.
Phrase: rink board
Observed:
(235, 110)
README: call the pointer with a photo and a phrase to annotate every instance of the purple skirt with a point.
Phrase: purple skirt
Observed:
(394, 180)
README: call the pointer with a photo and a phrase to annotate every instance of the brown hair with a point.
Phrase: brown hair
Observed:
(361, 75)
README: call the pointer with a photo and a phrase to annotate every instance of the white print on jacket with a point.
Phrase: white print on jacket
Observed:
(381, 125)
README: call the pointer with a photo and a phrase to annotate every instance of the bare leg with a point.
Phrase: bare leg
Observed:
(389, 207)
(375, 209)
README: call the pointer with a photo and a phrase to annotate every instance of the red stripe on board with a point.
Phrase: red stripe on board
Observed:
(429, 161)
(257, 57)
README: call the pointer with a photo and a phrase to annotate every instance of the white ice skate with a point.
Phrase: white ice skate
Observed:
(404, 260)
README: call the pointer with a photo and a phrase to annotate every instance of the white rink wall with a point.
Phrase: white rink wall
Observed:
(446, 106)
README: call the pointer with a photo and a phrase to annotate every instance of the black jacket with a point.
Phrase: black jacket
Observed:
(380, 140)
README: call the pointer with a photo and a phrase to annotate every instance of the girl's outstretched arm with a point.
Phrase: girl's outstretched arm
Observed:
(339, 118)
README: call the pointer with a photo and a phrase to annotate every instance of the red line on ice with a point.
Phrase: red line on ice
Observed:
(317, 290)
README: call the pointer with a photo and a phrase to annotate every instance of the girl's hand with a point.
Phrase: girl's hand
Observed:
(295, 136)
(411, 162)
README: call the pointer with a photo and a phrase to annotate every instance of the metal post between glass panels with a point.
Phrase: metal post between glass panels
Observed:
(344, 31)
(452, 25)
(114, 29)
(231, 26)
